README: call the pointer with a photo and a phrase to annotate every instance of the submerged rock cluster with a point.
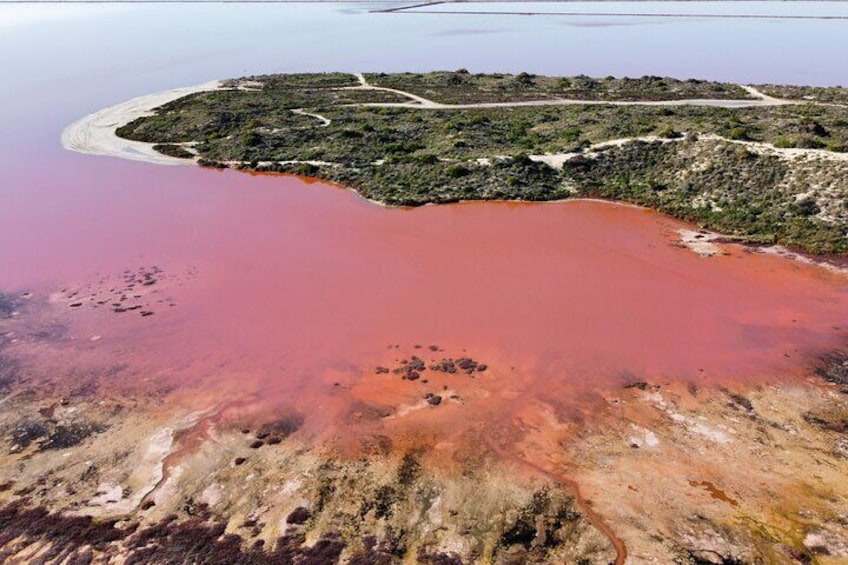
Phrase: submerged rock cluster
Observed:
(141, 290)
(412, 369)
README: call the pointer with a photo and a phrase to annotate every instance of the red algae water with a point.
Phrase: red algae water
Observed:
(274, 291)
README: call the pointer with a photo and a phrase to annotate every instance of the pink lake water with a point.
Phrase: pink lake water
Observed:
(285, 291)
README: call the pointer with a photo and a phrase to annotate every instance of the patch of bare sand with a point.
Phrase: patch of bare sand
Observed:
(95, 134)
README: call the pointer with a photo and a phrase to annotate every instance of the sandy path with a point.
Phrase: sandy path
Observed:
(325, 121)
(431, 105)
(417, 101)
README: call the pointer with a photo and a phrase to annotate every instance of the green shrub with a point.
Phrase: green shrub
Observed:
(456, 171)
(172, 150)
(739, 134)
(251, 139)
(668, 132)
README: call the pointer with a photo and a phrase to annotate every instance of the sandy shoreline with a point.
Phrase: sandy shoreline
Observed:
(95, 134)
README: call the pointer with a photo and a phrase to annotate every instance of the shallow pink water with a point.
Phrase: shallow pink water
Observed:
(299, 284)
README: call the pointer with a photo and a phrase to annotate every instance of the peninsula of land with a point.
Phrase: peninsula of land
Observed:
(765, 164)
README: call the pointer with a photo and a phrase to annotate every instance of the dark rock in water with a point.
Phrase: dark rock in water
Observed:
(75, 304)
(434, 348)
(435, 400)
(284, 426)
(482, 367)
(416, 364)
(257, 444)
(146, 313)
(466, 364)
(119, 310)
(381, 370)
(445, 366)
(412, 376)
(641, 385)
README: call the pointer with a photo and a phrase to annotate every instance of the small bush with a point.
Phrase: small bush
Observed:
(456, 171)
(669, 132)
(739, 134)
(172, 150)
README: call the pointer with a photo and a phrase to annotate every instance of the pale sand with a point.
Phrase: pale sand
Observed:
(701, 242)
(95, 134)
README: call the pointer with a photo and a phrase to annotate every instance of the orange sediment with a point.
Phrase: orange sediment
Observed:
(582, 503)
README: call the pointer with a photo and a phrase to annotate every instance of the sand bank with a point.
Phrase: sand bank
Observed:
(95, 134)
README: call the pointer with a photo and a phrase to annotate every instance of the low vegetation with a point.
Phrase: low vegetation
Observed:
(462, 87)
(834, 94)
(172, 150)
(719, 167)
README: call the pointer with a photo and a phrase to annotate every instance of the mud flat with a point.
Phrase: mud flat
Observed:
(499, 470)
